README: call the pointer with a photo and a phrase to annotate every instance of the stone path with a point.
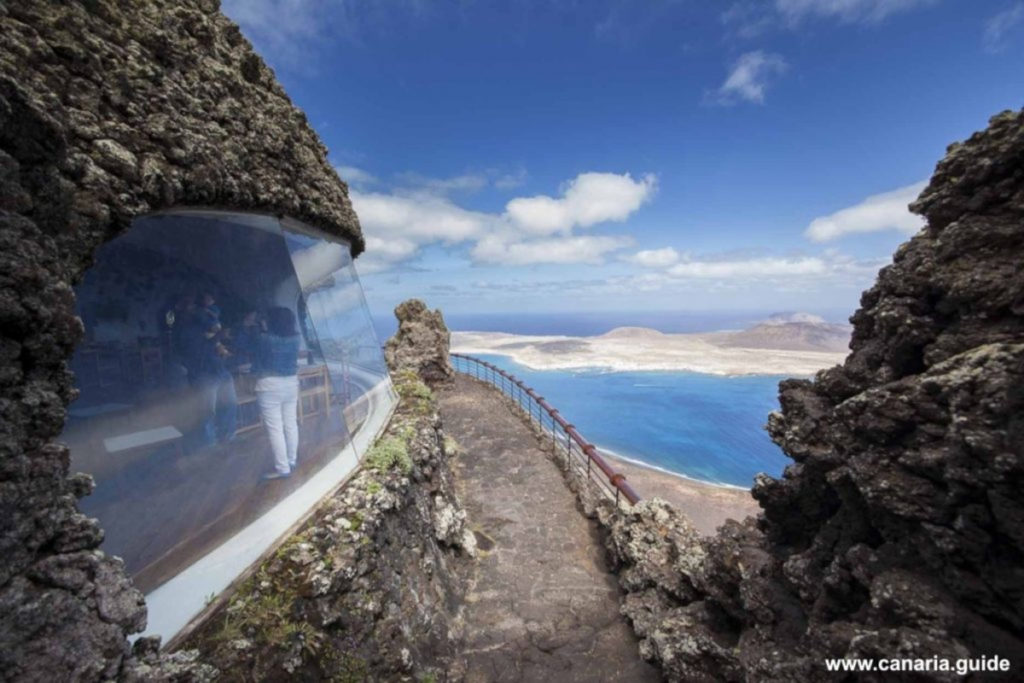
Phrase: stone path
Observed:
(543, 605)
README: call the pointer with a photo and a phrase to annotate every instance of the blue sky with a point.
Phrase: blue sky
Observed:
(637, 156)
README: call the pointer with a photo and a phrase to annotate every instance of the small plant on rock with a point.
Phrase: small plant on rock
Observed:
(389, 453)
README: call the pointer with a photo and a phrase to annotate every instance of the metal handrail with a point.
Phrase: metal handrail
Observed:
(587, 458)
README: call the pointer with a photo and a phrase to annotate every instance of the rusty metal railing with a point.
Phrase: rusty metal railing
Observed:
(580, 454)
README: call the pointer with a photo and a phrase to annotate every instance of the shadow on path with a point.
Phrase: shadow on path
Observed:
(543, 605)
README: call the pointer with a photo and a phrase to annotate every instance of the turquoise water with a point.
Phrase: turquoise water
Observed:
(706, 427)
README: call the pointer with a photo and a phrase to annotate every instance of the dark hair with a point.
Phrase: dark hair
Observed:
(281, 321)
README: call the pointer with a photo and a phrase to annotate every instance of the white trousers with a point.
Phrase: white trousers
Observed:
(278, 398)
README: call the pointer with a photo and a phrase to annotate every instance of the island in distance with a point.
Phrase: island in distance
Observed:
(783, 344)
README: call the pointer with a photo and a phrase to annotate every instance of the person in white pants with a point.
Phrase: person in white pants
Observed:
(278, 398)
(277, 389)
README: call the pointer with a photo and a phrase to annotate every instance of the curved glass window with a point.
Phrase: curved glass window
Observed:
(229, 378)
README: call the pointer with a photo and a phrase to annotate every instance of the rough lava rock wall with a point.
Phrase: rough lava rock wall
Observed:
(898, 531)
(370, 587)
(108, 109)
(421, 343)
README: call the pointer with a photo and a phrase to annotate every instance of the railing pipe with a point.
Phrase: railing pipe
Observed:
(516, 389)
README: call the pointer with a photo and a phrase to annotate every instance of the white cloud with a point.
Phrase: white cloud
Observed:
(382, 254)
(1000, 25)
(356, 176)
(654, 258)
(280, 29)
(292, 34)
(399, 223)
(750, 77)
(419, 216)
(510, 181)
(885, 211)
(573, 249)
(750, 268)
(751, 18)
(863, 11)
(590, 198)
(467, 182)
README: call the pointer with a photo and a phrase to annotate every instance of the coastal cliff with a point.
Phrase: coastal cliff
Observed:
(898, 531)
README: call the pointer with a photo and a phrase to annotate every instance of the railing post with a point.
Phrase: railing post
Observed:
(554, 434)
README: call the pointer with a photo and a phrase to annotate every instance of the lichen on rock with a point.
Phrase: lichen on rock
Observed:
(368, 587)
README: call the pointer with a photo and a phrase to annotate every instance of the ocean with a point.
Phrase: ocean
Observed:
(589, 324)
(705, 427)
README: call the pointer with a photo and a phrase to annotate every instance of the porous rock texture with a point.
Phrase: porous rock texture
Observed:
(370, 587)
(109, 109)
(898, 531)
(421, 343)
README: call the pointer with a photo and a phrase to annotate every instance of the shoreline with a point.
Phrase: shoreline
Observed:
(608, 454)
(705, 504)
(639, 352)
(612, 367)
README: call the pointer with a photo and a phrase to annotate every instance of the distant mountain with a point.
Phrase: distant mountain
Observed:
(793, 317)
(633, 333)
(814, 335)
(783, 331)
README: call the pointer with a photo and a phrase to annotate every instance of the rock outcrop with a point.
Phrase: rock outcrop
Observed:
(110, 109)
(421, 343)
(898, 531)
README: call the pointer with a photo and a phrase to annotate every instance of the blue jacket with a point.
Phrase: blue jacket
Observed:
(247, 345)
(199, 353)
(278, 356)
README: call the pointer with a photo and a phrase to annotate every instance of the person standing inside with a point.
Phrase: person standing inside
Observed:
(246, 340)
(277, 389)
(209, 375)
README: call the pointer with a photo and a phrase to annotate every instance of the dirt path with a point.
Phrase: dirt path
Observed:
(543, 606)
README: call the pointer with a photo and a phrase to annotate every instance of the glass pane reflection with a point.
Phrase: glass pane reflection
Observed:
(218, 350)
(336, 313)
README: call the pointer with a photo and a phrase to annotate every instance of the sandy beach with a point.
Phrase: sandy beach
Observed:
(707, 505)
(632, 348)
